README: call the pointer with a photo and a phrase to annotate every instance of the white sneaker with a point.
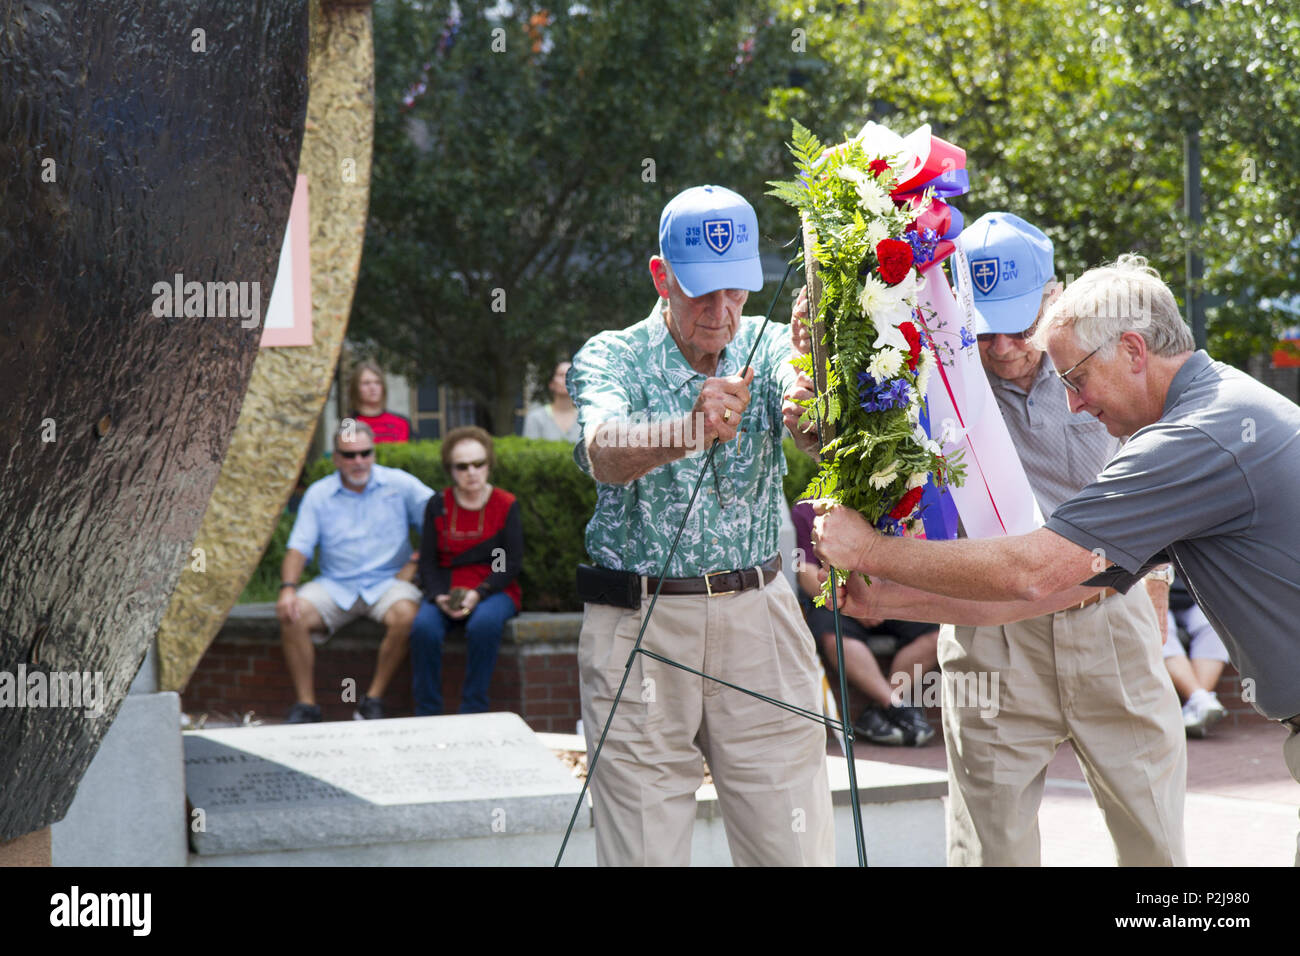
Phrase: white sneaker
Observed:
(1200, 713)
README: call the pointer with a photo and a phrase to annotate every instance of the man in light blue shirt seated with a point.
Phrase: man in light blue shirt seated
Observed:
(360, 517)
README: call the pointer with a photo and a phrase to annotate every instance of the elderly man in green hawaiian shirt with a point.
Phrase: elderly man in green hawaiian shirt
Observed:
(651, 400)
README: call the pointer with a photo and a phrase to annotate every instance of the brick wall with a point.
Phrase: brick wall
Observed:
(536, 675)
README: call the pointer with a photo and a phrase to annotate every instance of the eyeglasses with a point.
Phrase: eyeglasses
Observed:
(467, 465)
(1062, 375)
(349, 455)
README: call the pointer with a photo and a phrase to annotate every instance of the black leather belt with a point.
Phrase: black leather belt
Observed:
(717, 583)
(1292, 722)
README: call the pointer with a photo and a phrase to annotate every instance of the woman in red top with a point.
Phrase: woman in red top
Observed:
(470, 558)
(369, 396)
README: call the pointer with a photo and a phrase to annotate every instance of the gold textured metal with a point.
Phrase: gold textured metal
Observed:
(30, 850)
(289, 385)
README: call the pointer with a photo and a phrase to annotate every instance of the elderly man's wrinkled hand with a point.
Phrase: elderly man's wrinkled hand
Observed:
(841, 537)
(722, 402)
(800, 334)
(856, 599)
(805, 435)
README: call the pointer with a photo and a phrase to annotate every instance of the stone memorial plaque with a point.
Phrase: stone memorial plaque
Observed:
(385, 781)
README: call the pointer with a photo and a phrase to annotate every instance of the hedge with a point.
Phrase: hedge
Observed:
(555, 501)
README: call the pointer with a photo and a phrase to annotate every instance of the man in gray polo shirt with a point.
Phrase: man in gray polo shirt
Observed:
(1207, 480)
(1092, 673)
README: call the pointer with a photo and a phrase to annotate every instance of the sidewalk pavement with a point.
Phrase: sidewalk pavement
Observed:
(1241, 800)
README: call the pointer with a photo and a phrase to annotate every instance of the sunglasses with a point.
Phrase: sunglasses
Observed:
(1014, 336)
(349, 455)
(467, 465)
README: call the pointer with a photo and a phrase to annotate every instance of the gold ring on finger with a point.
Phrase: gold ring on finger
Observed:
(726, 416)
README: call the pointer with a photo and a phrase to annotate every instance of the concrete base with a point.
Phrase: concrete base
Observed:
(902, 819)
(130, 805)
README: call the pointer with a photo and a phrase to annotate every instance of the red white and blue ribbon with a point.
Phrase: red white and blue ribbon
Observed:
(963, 415)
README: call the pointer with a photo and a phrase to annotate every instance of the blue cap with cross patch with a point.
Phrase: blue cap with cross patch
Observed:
(709, 235)
(1010, 265)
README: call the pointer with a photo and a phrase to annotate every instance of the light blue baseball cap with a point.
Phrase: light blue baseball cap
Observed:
(1010, 263)
(709, 235)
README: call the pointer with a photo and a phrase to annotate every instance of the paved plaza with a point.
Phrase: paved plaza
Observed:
(1241, 801)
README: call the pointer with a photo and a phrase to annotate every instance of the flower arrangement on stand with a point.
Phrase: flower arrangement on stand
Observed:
(877, 358)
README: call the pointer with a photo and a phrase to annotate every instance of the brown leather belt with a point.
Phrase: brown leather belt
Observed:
(1095, 599)
(717, 583)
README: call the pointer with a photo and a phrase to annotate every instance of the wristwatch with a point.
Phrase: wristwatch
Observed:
(288, 584)
(1163, 573)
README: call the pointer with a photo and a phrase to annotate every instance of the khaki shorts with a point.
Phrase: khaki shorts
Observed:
(315, 594)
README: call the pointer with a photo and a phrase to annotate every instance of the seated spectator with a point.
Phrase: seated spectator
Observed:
(470, 558)
(557, 421)
(369, 396)
(360, 518)
(1196, 679)
(887, 719)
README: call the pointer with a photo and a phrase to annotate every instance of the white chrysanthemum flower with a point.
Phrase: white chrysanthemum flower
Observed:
(852, 175)
(873, 199)
(924, 366)
(882, 479)
(874, 295)
(877, 232)
(917, 479)
(885, 363)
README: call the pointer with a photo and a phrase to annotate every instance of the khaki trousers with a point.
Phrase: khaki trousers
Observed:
(1093, 677)
(769, 765)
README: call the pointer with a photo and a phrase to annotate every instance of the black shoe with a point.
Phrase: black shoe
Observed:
(301, 713)
(876, 728)
(917, 731)
(370, 708)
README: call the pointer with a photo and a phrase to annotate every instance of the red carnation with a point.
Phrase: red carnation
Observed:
(906, 504)
(877, 166)
(913, 343)
(895, 258)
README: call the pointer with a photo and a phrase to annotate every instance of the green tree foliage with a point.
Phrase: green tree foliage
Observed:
(521, 162)
(1072, 115)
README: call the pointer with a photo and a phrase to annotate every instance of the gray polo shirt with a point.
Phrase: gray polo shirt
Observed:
(1062, 451)
(1215, 483)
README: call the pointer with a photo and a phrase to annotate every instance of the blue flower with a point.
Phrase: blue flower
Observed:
(967, 340)
(887, 525)
(923, 244)
(881, 396)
